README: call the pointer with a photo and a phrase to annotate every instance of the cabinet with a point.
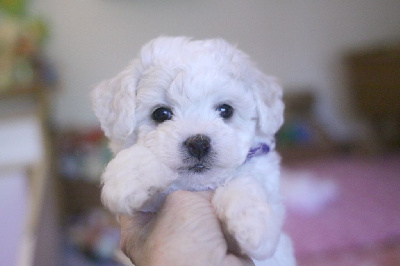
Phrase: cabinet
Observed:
(375, 83)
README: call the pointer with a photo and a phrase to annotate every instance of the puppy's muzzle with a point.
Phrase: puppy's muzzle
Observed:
(198, 146)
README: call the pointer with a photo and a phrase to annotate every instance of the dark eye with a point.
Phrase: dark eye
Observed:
(225, 111)
(161, 114)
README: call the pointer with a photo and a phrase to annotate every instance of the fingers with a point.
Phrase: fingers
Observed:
(206, 194)
(134, 224)
(184, 216)
(133, 229)
(135, 221)
(232, 260)
(180, 197)
(136, 228)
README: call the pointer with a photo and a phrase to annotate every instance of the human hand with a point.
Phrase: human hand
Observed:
(185, 231)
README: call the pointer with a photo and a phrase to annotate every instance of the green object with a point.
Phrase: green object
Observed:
(13, 7)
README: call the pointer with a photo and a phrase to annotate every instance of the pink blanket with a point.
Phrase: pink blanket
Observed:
(366, 212)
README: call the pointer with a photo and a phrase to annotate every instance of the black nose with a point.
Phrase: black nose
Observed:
(198, 146)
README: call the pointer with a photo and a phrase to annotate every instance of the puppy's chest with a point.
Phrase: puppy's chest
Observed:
(210, 181)
(187, 182)
(257, 168)
(199, 182)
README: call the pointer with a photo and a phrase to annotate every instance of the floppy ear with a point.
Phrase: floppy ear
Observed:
(269, 104)
(114, 104)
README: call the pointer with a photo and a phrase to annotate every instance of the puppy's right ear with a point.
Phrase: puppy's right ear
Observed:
(114, 104)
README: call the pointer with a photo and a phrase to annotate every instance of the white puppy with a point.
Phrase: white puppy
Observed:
(197, 115)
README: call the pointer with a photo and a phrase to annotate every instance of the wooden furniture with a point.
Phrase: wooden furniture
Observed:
(82, 156)
(375, 82)
(26, 146)
(302, 137)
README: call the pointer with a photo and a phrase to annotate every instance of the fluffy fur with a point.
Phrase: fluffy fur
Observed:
(193, 78)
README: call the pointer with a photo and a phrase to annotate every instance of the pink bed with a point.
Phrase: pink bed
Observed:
(364, 218)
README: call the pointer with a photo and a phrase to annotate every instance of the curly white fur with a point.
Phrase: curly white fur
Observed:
(193, 78)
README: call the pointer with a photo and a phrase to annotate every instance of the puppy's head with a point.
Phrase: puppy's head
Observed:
(198, 105)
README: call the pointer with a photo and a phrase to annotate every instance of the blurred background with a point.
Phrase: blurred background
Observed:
(338, 63)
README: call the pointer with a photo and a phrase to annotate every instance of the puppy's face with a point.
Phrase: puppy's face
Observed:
(197, 122)
(198, 105)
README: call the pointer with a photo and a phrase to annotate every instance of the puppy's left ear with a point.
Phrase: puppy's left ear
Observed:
(269, 104)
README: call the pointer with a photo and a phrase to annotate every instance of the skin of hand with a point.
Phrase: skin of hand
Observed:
(185, 231)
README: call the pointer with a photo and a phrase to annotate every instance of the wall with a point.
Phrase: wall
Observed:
(300, 42)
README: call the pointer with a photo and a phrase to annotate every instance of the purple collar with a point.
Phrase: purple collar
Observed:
(259, 150)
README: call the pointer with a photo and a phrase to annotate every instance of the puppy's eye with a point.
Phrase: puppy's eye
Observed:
(161, 114)
(225, 111)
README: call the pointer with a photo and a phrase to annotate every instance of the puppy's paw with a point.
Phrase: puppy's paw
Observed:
(250, 227)
(255, 224)
(133, 177)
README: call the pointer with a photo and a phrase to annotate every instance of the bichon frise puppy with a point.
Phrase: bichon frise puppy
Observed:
(197, 115)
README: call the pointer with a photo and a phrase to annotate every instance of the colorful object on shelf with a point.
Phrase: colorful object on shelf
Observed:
(95, 233)
(296, 133)
(83, 155)
(13, 7)
(21, 40)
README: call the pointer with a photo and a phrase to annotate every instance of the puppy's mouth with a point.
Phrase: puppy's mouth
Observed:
(195, 168)
(198, 168)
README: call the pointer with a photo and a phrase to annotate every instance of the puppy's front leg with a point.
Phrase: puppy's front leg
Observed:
(132, 178)
(250, 216)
